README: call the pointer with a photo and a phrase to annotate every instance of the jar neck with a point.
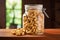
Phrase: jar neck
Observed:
(26, 10)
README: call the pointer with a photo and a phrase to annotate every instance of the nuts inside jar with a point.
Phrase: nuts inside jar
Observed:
(32, 21)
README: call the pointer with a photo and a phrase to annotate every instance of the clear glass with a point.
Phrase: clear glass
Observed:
(33, 19)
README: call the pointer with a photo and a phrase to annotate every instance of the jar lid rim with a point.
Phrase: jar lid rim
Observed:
(33, 5)
(38, 6)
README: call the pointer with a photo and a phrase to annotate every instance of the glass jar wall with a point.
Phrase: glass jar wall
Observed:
(33, 19)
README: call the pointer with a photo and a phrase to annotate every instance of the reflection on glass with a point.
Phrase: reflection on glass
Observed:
(13, 13)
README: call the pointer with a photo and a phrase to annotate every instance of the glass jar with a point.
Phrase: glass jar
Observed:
(33, 19)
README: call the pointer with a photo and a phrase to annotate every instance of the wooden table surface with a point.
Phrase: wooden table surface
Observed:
(49, 34)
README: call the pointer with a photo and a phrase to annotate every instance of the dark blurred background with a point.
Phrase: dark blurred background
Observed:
(52, 6)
